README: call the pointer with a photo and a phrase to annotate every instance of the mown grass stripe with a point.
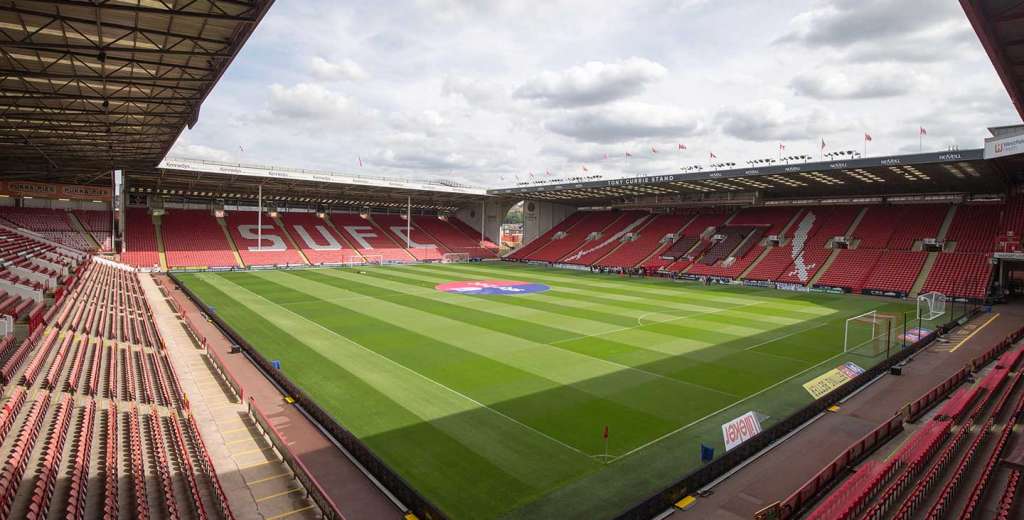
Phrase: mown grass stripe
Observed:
(439, 461)
(470, 318)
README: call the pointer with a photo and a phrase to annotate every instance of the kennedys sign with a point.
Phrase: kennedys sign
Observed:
(740, 429)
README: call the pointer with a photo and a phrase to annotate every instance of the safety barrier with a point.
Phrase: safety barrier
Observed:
(213, 356)
(314, 490)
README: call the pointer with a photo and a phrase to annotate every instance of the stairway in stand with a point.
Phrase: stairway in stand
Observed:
(231, 241)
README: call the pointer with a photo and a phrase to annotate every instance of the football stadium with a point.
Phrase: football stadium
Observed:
(829, 334)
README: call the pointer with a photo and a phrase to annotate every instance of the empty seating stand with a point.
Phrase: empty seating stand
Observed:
(52, 224)
(526, 251)
(965, 275)
(140, 247)
(61, 449)
(259, 240)
(575, 236)
(193, 238)
(419, 244)
(972, 229)
(371, 241)
(454, 238)
(317, 238)
(649, 239)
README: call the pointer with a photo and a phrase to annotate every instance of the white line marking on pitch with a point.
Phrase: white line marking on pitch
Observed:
(396, 363)
(613, 331)
(712, 414)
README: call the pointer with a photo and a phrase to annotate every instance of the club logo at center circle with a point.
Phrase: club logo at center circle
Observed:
(505, 287)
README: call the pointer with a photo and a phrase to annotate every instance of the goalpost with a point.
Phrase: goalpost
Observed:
(931, 305)
(352, 261)
(454, 258)
(869, 334)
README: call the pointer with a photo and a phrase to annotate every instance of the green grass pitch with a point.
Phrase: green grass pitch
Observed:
(494, 406)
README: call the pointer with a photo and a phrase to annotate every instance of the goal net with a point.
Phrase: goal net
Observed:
(931, 306)
(454, 258)
(868, 334)
(352, 261)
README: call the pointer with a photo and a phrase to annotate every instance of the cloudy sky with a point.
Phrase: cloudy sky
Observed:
(482, 92)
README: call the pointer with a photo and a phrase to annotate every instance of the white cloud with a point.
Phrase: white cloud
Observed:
(889, 30)
(625, 121)
(592, 83)
(307, 101)
(454, 87)
(769, 120)
(851, 82)
(346, 69)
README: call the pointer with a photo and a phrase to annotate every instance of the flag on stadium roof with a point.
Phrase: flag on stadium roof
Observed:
(653, 150)
(682, 146)
(712, 154)
(605, 156)
(360, 161)
(782, 146)
(585, 168)
(867, 136)
(922, 131)
(823, 143)
(629, 154)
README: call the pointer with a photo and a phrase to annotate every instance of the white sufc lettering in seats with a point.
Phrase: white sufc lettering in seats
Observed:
(332, 243)
(249, 231)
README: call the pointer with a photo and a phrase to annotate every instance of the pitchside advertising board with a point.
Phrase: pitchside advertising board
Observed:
(740, 430)
(829, 381)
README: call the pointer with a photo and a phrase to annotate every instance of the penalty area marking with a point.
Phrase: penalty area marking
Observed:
(712, 414)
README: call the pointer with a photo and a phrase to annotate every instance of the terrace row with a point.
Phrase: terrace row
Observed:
(854, 248)
(182, 238)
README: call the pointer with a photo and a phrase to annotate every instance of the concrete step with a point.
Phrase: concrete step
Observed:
(75, 223)
(923, 275)
(824, 267)
(231, 241)
(288, 236)
(158, 228)
(755, 262)
(946, 223)
(344, 240)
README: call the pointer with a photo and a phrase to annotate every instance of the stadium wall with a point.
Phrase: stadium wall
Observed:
(494, 211)
(691, 483)
(539, 217)
(390, 479)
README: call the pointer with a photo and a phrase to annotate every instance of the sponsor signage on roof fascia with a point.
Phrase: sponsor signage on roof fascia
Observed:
(250, 171)
(871, 162)
(1004, 146)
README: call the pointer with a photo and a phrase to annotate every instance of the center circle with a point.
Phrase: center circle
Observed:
(502, 287)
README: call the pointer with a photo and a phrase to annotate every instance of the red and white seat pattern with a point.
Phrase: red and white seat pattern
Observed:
(368, 238)
(317, 238)
(259, 240)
